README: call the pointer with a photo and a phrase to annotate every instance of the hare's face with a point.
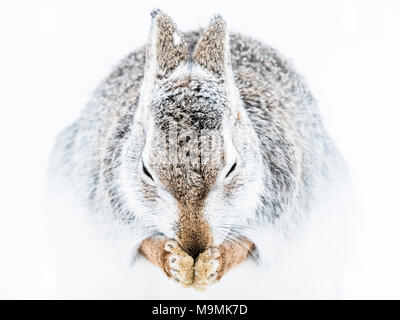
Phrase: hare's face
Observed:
(199, 164)
(199, 171)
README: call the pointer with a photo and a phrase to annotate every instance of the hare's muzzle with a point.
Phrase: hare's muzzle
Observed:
(194, 232)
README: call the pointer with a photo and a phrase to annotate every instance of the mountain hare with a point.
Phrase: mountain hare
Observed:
(207, 146)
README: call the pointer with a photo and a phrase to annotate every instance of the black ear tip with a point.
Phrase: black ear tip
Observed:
(154, 13)
(218, 19)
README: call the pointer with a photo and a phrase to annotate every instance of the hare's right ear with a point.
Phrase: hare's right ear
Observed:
(212, 53)
(166, 49)
(212, 50)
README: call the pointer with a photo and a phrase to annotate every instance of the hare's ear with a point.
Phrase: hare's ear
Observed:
(166, 49)
(212, 51)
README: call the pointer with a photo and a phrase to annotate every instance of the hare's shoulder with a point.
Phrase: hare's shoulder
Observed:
(258, 59)
(127, 74)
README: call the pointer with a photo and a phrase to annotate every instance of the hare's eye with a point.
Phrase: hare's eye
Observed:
(146, 172)
(231, 170)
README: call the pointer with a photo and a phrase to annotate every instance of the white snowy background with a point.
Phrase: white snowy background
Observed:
(54, 53)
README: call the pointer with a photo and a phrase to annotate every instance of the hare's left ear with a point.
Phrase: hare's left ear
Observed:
(212, 51)
(166, 49)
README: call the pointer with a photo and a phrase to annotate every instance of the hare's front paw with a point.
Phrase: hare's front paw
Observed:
(178, 264)
(207, 267)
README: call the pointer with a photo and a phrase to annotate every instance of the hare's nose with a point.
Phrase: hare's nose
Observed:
(194, 234)
(194, 248)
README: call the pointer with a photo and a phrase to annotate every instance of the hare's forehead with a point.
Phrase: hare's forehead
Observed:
(189, 148)
(190, 104)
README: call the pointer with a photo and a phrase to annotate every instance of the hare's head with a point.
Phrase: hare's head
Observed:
(199, 168)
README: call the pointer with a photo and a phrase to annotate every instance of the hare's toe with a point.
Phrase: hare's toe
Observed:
(206, 268)
(179, 265)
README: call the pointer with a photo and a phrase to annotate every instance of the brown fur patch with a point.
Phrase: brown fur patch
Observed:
(232, 254)
(194, 233)
(210, 49)
(153, 250)
(169, 55)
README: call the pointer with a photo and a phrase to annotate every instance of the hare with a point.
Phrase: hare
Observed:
(207, 145)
